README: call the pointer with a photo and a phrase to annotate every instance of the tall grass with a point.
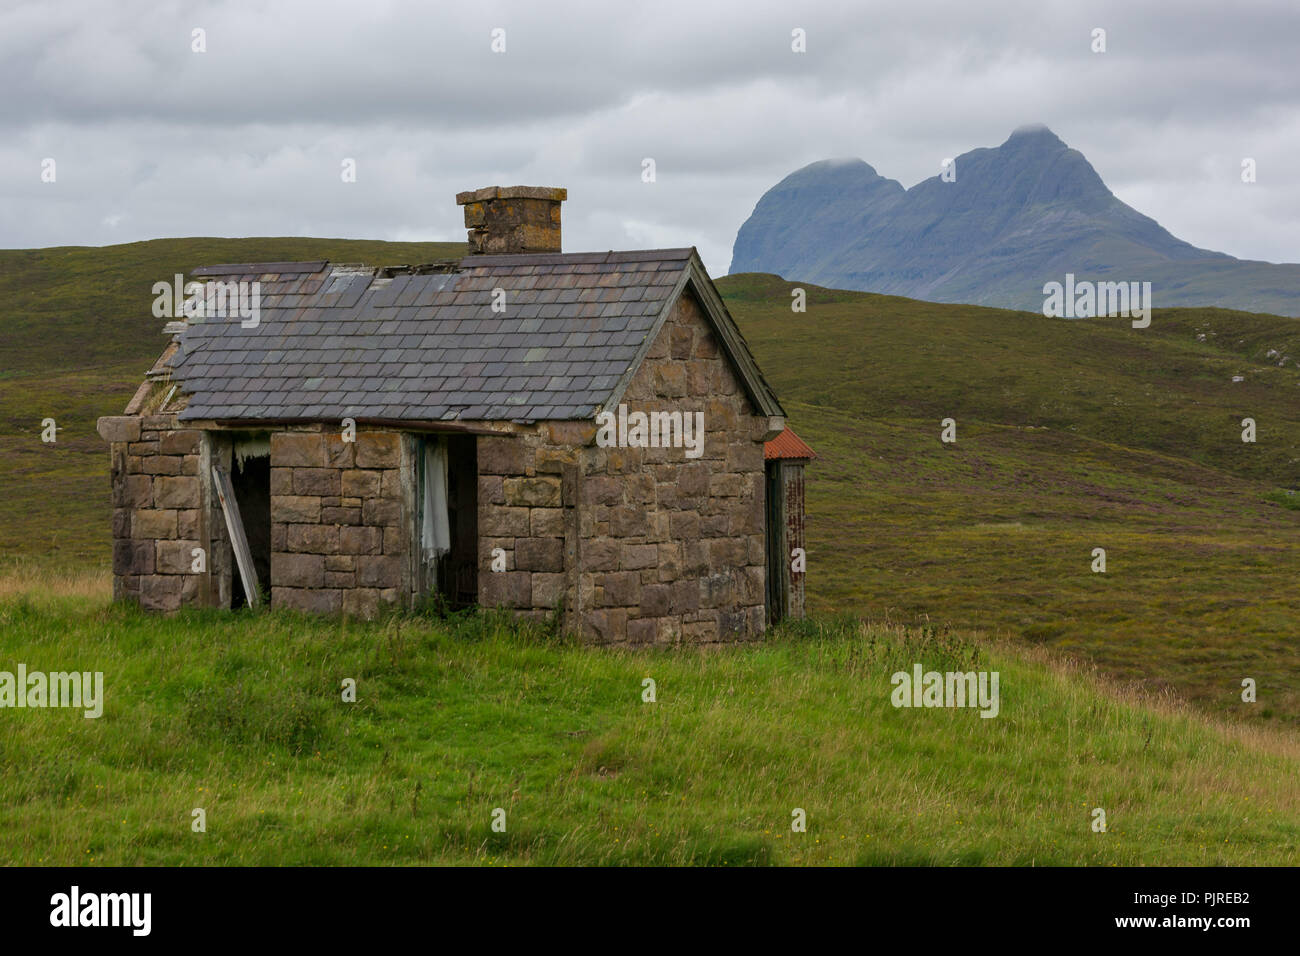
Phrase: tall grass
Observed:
(242, 715)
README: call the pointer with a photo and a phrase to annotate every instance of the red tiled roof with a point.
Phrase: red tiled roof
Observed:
(787, 445)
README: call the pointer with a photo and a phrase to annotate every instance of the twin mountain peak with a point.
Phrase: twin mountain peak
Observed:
(993, 230)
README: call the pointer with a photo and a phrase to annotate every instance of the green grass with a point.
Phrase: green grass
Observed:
(242, 716)
(1071, 435)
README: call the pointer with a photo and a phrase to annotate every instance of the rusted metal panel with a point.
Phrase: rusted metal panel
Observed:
(787, 445)
(793, 472)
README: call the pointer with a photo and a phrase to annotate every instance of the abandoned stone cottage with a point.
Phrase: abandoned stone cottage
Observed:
(472, 431)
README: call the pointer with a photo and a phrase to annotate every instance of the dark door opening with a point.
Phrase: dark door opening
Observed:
(778, 567)
(250, 478)
(447, 479)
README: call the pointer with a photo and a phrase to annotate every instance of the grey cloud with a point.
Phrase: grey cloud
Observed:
(259, 124)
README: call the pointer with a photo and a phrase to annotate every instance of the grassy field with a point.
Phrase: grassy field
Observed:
(1070, 436)
(242, 716)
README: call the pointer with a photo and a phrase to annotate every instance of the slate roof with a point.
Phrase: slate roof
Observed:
(346, 341)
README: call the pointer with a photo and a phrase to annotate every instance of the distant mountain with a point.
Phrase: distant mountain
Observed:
(1015, 218)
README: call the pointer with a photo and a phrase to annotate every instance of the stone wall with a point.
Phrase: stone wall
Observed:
(636, 545)
(640, 544)
(340, 521)
(522, 512)
(340, 517)
(673, 547)
(157, 511)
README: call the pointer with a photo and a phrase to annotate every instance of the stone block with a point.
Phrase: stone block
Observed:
(361, 540)
(133, 491)
(367, 603)
(637, 556)
(606, 625)
(297, 450)
(176, 492)
(546, 522)
(642, 631)
(316, 481)
(292, 570)
(174, 557)
(360, 484)
(160, 592)
(152, 523)
(187, 523)
(602, 490)
(379, 571)
(504, 455)
(295, 509)
(381, 511)
(340, 562)
(505, 589)
(539, 492)
(310, 600)
(378, 450)
(670, 560)
(504, 522)
(133, 557)
(539, 554)
(119, 428)
(340, 579)
(600, 554)
(281, 480)
(620, 588)
(161, 465)
(182, 442)
(341, 516)
(656, 600)
(312, 538)
(570, 434)
(491, 490)
(629, 522)
(547, 589)
(339, 453)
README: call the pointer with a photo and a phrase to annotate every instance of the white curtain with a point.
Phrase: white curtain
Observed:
(435, 534)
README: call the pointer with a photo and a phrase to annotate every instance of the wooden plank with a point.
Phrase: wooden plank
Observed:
(238, 540)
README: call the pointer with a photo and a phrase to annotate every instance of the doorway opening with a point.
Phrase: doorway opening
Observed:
(778, 567)
(446, 520)
(250, 480)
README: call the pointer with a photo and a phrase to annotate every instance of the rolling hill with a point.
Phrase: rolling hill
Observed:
(1120, 690)
(1072, 435)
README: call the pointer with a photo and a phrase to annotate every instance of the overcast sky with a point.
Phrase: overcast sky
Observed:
(152, 139)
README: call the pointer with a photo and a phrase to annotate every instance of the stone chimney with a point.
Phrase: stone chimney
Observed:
(508, 219)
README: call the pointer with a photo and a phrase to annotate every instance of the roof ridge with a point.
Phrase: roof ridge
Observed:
(259, 268)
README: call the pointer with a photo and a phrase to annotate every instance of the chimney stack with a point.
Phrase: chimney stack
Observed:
(509, 219)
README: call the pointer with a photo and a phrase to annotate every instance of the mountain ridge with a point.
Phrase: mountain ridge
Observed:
(1015, 217)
